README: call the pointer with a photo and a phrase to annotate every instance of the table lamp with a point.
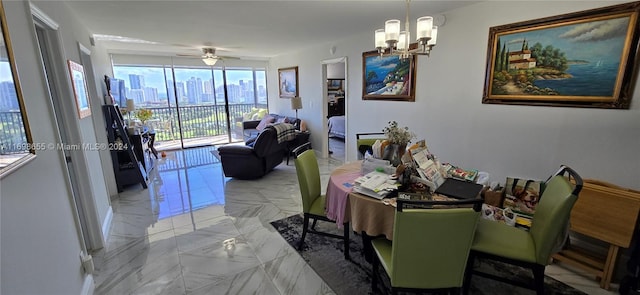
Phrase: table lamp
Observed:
(296, 104)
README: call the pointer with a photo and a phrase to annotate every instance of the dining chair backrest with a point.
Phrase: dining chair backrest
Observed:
(364, 141)
(431, 246)
(308, 178)
(550, 221)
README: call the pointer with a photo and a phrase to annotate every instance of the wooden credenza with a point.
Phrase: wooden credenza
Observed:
(605, 212)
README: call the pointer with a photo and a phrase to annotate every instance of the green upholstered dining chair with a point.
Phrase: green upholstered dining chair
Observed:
(364, 141)
(530, 249)
(313, 202)
(430, 245)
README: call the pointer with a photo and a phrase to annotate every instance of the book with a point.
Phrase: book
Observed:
(462, 174)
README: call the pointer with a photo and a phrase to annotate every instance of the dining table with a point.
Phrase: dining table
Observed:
(368, 217)
(365, 214)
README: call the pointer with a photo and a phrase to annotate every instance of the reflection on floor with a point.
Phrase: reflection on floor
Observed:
(193, 231)
(194, 142)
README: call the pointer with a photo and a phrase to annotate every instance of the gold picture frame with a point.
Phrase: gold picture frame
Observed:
(582, 59)
(288, 82)
(16, 144)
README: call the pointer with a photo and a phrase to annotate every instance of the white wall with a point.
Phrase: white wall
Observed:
(335, 71)
(504, 140)
(40, 240)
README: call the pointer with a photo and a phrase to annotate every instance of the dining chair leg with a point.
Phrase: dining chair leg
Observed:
(305, 225)
(313, 226)
(374, 274)
(468, 272)
(538, 278)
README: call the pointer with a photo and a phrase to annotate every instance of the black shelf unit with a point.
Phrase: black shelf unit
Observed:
(127, 167)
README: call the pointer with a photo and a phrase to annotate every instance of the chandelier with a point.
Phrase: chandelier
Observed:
(398, 42)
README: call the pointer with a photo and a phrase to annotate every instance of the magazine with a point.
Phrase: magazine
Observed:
(459, 173)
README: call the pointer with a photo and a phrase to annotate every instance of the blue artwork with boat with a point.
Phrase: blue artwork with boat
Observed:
(576, 59)
(387, 75)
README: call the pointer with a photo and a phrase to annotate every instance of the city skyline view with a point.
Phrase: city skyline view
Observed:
(146, 85)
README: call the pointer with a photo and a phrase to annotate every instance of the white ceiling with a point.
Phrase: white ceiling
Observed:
(249, 29)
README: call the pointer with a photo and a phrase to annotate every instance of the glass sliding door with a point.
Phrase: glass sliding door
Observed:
(146, 86)
(243, 94)
(192, 105)
(202, 120)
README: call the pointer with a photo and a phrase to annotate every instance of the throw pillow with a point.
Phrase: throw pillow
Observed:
(260, 114)
(264, 122)
(283, 120)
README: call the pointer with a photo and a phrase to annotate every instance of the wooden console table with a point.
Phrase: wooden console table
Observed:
(605, 212)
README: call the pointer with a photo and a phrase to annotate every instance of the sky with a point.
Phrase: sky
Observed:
(591, 41)
(154, 77)
(5, 72)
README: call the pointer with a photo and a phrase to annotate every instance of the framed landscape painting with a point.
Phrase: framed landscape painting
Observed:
(582, 59)
(288, 81)
(388, 77)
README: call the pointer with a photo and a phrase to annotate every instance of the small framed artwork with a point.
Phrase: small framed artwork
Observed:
(388, 77)
(581, 59)
(288, 81)
(334, 84)
(79, 82)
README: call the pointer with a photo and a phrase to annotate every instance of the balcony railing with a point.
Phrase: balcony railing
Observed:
(13, 139)
(196, 121)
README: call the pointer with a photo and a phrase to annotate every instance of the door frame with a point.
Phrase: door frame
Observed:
(79, 183)
(325, 108)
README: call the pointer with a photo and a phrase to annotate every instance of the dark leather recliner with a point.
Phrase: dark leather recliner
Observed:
(255, 159)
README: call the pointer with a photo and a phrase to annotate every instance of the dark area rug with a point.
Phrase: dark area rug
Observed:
(325, 255)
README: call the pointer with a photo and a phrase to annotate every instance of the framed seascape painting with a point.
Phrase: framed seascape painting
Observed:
(388, 77)
(582, 59)
(79, 89)
(288, 81)
(334, 84)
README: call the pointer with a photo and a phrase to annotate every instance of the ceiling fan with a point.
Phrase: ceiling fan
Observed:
(209, 56)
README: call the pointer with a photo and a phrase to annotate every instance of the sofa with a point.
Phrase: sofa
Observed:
(255, 114)
(254, 159)
(251, 128)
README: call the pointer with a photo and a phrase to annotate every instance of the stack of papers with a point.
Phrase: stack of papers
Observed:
(375, 184)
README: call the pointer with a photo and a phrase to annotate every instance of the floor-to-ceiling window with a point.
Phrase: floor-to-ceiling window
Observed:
(191, 105)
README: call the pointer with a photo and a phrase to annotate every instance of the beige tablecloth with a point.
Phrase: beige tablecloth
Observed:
(363, 212)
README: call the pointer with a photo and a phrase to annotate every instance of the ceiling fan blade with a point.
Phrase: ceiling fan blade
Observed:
(188, 55)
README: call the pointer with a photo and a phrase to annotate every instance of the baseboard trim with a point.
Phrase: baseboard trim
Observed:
(88, 286)
(106, 225)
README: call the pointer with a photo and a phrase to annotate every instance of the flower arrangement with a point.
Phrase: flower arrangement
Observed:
(397, 135)
(143, 115)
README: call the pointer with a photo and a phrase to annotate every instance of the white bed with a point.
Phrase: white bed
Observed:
(336, 126)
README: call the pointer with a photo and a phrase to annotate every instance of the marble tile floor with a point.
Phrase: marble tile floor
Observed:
(194, 231)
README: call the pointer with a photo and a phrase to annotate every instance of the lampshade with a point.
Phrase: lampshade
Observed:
(392, 30)
(404, 37)
(379, 38)
(434, 36)
(131, 106)
(425, 25)
(210, 61)
(296, 103)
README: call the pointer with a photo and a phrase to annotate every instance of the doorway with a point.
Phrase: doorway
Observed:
(335, 118)
(56, 74)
